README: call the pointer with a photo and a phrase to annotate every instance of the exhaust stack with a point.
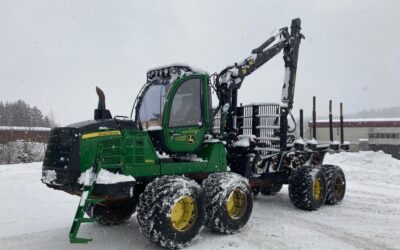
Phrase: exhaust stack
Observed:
(101, 112)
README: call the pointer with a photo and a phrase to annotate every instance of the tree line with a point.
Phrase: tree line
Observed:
(19, 113)
(392, 112)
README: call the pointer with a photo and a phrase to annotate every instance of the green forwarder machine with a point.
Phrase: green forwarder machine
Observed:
(176, 169)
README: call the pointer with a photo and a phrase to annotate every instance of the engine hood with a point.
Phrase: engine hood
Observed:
(106, 124)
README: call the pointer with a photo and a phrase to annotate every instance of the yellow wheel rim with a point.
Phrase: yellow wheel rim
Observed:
(236, 205)
(317, 188)
(183, 213)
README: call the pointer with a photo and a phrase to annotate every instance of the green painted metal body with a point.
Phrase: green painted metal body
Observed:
(132, 151)
(134, 154)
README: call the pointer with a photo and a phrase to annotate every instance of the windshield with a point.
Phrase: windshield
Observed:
(151, 107)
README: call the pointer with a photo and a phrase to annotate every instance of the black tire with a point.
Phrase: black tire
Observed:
(155, 211)
(271, 189)
(335, 184)
(307, 188)
(113, 214)
(221, 189)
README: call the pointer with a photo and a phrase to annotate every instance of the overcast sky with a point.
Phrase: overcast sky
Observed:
(53, 53)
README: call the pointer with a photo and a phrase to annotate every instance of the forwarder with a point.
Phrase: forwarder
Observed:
(170, 164)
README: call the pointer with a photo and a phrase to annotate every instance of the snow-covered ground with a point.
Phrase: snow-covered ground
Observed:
(33, 216)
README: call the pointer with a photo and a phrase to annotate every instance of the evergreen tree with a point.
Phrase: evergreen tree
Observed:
(21, 114)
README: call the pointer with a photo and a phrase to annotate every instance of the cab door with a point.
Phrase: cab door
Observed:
(185, 115)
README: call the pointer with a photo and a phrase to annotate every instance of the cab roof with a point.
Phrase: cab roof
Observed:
(170, 70)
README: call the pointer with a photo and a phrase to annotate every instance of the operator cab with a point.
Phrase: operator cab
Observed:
(173, 108)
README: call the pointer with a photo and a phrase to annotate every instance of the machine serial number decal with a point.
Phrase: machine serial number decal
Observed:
(99, 134)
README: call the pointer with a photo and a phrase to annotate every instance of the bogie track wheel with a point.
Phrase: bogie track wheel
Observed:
(171, 211)
(307, 188)
(229, 201)
(335, 184)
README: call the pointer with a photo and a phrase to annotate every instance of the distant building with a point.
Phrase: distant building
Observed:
(363, 134)
(33, 134)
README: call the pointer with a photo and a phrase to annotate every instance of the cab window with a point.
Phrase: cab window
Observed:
(186, 105)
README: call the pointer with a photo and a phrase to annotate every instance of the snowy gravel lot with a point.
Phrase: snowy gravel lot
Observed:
(33, 216)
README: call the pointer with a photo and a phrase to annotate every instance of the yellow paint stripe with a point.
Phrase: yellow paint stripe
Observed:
(99, 134)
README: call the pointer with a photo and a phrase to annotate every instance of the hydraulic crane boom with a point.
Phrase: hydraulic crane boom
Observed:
(229, 80)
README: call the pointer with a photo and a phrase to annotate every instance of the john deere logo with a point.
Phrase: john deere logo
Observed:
(190, 139)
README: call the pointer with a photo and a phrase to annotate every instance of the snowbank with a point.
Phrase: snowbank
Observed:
(21, 151)
(367, 168)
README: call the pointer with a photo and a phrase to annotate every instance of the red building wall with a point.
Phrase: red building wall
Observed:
(27, 135)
